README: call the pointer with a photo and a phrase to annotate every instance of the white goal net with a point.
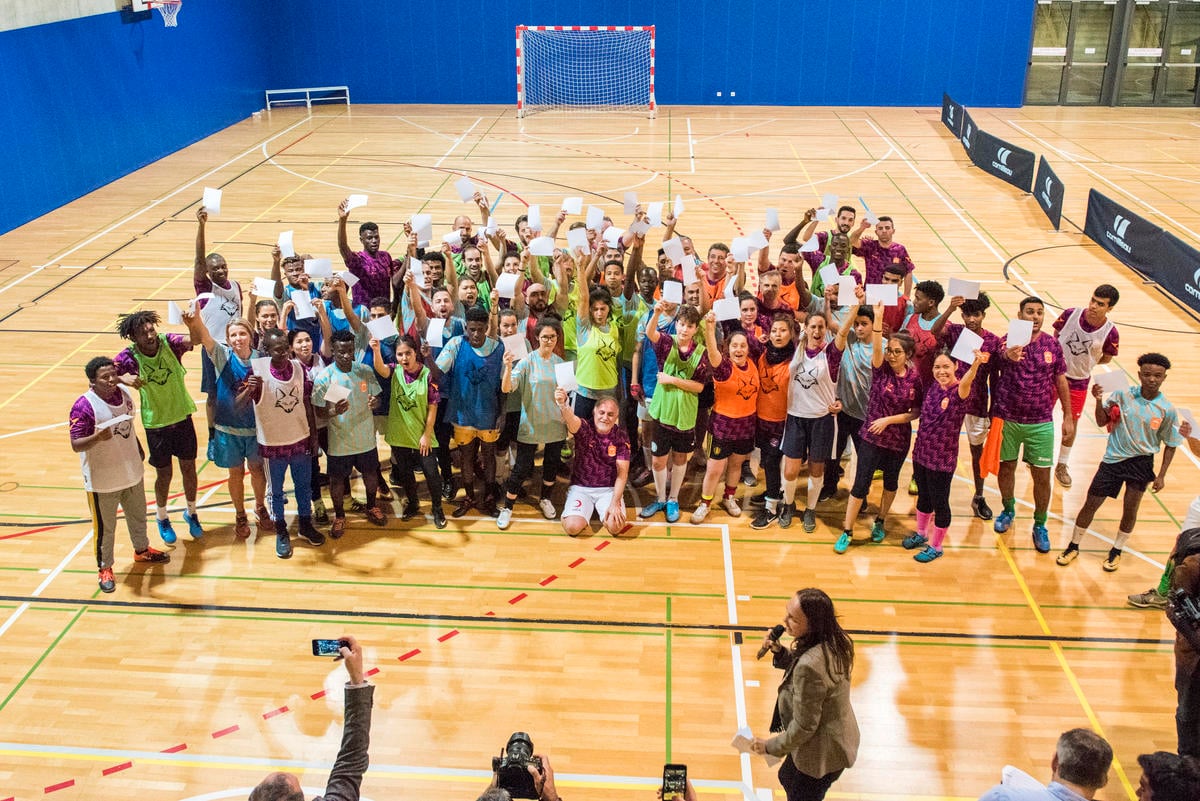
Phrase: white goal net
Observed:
(585, 67)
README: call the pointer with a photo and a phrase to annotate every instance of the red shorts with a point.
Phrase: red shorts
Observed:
(1078, 400)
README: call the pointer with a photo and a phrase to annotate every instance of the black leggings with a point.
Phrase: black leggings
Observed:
(871, 458)
(407, 462)
(443, 432)
(314, 483)
(551, 462)
(802, 787)
(771, 459)
(933, 494)
(848, 428)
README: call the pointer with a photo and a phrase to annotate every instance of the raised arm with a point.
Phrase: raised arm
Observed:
(764, 254)
(382, 369)
(277, 271)
(564, 408)
(199, 268)
(956, 302)
(652, 324)
(877, 338)
(794, 235)
(562, 293)
(856, 234)
(198, 331)
(326, 328)
(506, 382)
(343, 243)
(710, 340)
(964, 385)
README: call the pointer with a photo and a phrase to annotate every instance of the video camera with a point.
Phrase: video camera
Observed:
(511, 767)
(1183, 610)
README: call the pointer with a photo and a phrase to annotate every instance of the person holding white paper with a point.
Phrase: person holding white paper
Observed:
(1140, 422)
(532, 381)
(472, 264)
(1088, 338)
(894, 402)
(855, 339)
(878, 253)
(682, 376)
(314, 360)
(843, 222)
(747, 322)
(772, 289)
(925, 323)
(600, 469)
(714, 278)
(1029, 380)
(295, 279)
(644, 381)
(771, 412)
(598, 342)
(110, 457)
(836, 254)
(374, 268)
(735, 383)
(210, 275)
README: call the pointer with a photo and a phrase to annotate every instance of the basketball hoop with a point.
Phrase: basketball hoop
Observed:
(169, 9)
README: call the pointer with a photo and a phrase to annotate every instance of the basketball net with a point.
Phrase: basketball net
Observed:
(170, 12)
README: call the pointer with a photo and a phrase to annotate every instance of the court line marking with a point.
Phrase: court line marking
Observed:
(548, 140)
(32, 430)
(417, 125)
(691, 145)
(736, 130)
(735, 658)
(53, 574)
(458, 142)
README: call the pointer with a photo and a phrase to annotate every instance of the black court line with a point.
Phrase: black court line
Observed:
(293, 612)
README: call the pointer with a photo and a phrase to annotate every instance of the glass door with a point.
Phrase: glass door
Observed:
(1069, 62)
(1048, 60)
(1088, 63)
(1143, 54)
(1181, 66)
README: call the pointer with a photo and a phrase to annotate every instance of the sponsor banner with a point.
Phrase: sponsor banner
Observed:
(952, 115)
(1132, 239)
(1049, 192)
(1178, 272)
(969, 133)
(1007, 162)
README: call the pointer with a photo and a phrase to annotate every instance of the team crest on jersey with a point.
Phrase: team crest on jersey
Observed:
(945, 404)
(807, 378)
(1155, 422)
(123, 429)
(287, 399)
(479, 375)
(612, 450)
(1049, 357)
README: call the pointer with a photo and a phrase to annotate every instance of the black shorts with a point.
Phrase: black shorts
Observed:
(724, 448)
(809, 438)
(768, 434)
(667, 439)
(340, 466)
(1135, 473)
(707, 396)
(177, 440)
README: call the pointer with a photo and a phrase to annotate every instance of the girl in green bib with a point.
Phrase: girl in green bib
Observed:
(598, 342)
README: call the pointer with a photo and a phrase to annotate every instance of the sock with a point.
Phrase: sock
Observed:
(1009, 504)
(1077, 537)
(1064, 454)
(789, 490)
(161, 512)
(191, 508)
(939, 534)
(660, 483)
(677, 473)
(923, 519)
(1113, 553)
(1121, 539)
(1039, 518)
(814, 492)
(1164, 583)
(706, 499)
(771, 505)
(730, 490)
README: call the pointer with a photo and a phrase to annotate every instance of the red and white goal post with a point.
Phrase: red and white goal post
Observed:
(585, 67)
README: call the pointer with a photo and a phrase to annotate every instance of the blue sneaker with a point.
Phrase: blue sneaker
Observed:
(927, 554)
(877, 532)
(651, 509)
(195, 530)
(843, 543)
(672, 511)
(914, 541)
(1003, 521)
(165, 531)
(1041, 538)
(283, 545)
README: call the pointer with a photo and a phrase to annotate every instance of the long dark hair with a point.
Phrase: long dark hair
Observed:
(824, 629)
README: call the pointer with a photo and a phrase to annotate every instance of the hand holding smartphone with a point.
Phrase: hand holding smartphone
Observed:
(674, 783)
(329, 647)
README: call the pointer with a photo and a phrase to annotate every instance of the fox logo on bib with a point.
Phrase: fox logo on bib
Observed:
(287, 399)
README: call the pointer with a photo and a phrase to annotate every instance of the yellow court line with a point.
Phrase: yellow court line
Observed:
(170, 281)
(804, 169)
(1056, 649)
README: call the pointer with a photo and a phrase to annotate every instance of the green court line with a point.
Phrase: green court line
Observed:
(50, 486)
(21, 569)
(670, 634)
(962, 264)
(41, 659)
(701, 636)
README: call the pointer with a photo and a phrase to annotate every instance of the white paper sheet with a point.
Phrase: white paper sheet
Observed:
(573, 205)
(112, 421)
(612, 236)
(885, 293)
(829, 274)
(846, 286)
(506, 285)
(417, 268)
(630, 202)
(382, 328)
(577, 239)
(868, 215)
(640, 227)
(264, 288)
(302, 304)
(453, 239)
(517, 345)
(319, 268)
(542, 246)
(348, 278)
(564, 373)
(335, 393)
(212, 201)
(964, 349)
(678, 206)
(672, 292)
(355, 201)
(286, 248)
(830, 201)
(422, 226)
(726, 309)
(174, 313)
(688, 268)
(595, 218)
(1111, 380)
(961, 287)
(261, 367)
(811, 246)
(465, 189)
(673, 249)
(757, 241)
(1186, 416)
(1020, 332)
(772, 223)
(435, 332)
(534, 217)
(739, 249)
(743, 739)
(654, 214)
(822, 214)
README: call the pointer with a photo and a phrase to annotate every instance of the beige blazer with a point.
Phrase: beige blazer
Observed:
(820, 731)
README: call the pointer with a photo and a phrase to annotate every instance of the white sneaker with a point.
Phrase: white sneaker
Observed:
(547, 508)
(504, 518)
(731, 506)
(700, 513)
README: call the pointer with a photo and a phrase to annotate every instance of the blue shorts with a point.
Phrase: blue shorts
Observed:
(232, 450)
(208, 374)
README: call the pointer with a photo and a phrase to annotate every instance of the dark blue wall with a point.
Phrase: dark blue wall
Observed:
(815, 52)
(89, 100)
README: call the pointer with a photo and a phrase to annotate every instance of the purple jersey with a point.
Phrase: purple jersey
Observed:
(1026, 391)
(374, 274)
(977, 401)
(877, 257)
(892, 394)
(596, 455)
(942, 416)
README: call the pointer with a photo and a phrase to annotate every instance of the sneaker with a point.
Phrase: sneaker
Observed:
(1062, 476)
(914, 541)
(700, 513)
(241, 527)
(1150, 599)
(412, 508)
(732, 506)
(758, 499)
(748, 475)
(263, 519)
(308, 533)
(464, 506)
(827, 493)
(547, 507)
(980, 507)
(786, 512)
(1067, 557)
(447, 490)
(651, 509)
(843, 543)
(1041, 538)
(672, 511)
(283, 545)
(641, 478)
(1111, 564)
(338, 528)
(912, 487)
(809, 520)
(357, 506)
(1003, 521)
(375, 516)
(927, 554)
(488, 507)
(107, 582)
(504, 519)
(763, 519)
(165, 531)
(321, 516)
(439, 517)
(152, 556)
(877, 532)
(195, 530)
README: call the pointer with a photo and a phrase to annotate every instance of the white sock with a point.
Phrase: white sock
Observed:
(772, 504)
(814, 492)
(660, 483)
(160, 512)
(1122, 538)
(1077, 535)
(789, 490)
(1064, 454)
(191, 508)
(677, 473)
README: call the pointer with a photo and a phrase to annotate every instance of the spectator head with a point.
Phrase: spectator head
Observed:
(1082, 758)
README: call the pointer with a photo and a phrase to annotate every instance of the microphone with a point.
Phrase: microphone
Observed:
(773, 635)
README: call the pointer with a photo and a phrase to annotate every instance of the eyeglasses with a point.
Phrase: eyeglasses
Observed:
(548, 337)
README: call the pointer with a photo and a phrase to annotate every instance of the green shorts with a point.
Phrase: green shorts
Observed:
(1038, 439)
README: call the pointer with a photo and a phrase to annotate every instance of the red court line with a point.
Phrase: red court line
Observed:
(371, 672)
(603, 545)
(517, 598)
(448, 635)
(61, 786)
(577, 562)
(489, 614)
(175, 749)
(117, 768)
(315, 696)
(547, 579)
(275, 712)
(223, 732)
(30, 531)
(410, 654)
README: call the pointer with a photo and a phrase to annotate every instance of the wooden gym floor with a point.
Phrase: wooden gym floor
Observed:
(193, 680)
